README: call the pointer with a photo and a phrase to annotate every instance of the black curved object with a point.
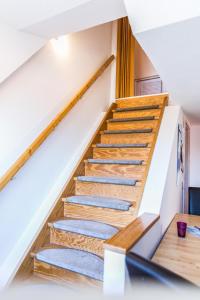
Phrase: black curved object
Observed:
(194, 201)
(144, 271)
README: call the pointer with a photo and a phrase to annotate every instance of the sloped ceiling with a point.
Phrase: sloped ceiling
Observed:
(51, 18)
(86, 15)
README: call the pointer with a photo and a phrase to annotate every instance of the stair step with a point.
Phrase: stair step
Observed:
(115, 161)
(88, 228)
(77, 261)
(121, 153)
(131, 119)
(125, 170)
(148, 130)
(142, 125)
(108, 180)
(122, 145)
(114, 217)
(104, 202)
(136, 113)
(130, 138)
(124, 192)
(137, 108)
(69, 239)
(142, 101)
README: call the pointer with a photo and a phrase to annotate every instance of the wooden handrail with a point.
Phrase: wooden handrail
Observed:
(127, 237)
(52, 125)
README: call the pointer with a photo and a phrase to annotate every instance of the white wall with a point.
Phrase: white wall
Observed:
(29, 100)
(163, 192)
(143, 65)
(35, 93)
(195, 156)
(16, 48)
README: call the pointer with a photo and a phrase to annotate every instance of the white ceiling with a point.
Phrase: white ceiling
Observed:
(23, 13)
(90, 14)
(51, 18)
(149, 14)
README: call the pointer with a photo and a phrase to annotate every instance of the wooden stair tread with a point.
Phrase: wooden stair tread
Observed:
(77, 261)
(108, 180)
(115, 161)
(145, 145)
(116, 120)
(85, 227)
(148, 130)
(103, 202)
(145, 107)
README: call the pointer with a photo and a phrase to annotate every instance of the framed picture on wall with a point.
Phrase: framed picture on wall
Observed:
(180, 167)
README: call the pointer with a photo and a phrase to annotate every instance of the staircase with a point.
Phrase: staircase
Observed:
(106, 196)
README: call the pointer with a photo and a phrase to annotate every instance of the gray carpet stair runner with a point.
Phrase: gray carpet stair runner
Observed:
(88, 228)
(131, 119)
(115, 161)
(104, 202)
(122, 145)
(77, 261)
(149, 130)
(136, 108)
(108, 180)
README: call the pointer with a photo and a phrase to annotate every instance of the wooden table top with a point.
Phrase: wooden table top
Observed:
(181, 255)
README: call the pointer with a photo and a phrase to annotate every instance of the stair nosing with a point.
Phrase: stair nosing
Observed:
(95, 235)
(72, 268)
(136, 146)
(137, 108)
(124, 205)
(116, 161)
(100, 180)
(137, 119)
(131, 131)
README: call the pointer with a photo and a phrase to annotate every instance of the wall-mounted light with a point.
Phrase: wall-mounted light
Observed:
(61, 45)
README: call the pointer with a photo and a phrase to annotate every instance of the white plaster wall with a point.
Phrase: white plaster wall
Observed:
(30, 98)
(143, 65)
(16, 48)
(195, 156)
(163, 193)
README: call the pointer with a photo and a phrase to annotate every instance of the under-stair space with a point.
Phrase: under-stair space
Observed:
(107, 193)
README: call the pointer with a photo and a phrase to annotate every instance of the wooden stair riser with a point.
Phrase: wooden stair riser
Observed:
(122, 153)
(115, 170)
(141, 101)
(136, 114)
(133, 138)
(112, 217)
(130, 193)
(132, 125)
(76, 241)
(64, 276)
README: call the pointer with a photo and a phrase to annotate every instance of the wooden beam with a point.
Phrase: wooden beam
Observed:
(127, 237)
(11, 172)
